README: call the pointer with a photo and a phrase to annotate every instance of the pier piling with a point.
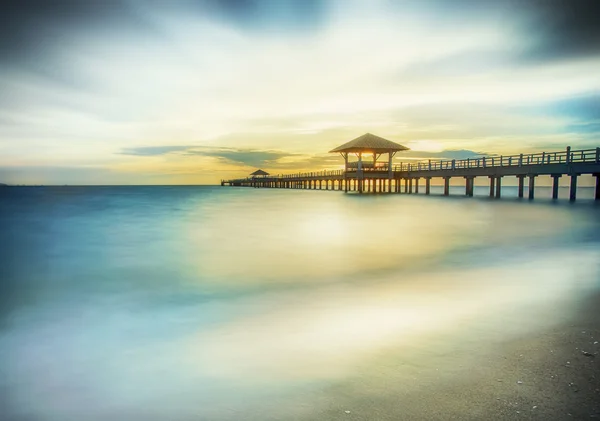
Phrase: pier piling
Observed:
(573, 189)
(469, 186)
(521, 181)
(531, 186)
(555, 180)
(498, 187)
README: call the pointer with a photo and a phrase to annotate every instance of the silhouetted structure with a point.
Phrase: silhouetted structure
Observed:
(365, 145)
(259, 173)
(372, 176)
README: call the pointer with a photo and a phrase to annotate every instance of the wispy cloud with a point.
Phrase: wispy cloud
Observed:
(282, 160)
(564, 30)
(248, 157)
(252, 158)
(153, 150)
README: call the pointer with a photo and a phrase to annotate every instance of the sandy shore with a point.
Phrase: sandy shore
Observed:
(548, 375)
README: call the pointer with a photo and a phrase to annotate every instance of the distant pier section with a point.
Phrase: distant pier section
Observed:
(381, 176)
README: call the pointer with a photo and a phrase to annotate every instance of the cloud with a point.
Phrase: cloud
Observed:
(252, 158)
(460, 64)
(248, 157)
(153, 150)
(548, 30)
(445, 154)
(33, 28)
(268, 15)
(81, 80)
(272, 159)
(564, 29)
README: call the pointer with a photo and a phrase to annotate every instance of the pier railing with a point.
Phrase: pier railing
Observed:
(543, 158)
(563, 157)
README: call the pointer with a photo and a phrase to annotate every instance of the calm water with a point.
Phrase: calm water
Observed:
(187, 303)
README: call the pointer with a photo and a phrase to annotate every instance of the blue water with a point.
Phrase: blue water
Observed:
(185, 303)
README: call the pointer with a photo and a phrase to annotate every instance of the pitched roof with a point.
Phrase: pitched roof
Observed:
(260, 172)
(370, 143)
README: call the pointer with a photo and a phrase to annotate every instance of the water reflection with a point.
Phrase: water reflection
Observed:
(180, 303)
(252, 239)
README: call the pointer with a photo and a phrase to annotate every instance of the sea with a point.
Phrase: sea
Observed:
(180, 303)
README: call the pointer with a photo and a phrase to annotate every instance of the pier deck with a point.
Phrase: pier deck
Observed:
(380, 177)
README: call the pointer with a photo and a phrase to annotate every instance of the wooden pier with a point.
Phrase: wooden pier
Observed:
(380, 177)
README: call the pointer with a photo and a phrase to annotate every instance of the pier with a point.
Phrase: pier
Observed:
(374, 176)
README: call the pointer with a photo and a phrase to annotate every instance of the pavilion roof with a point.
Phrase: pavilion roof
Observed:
(370, 143)
(260, 172)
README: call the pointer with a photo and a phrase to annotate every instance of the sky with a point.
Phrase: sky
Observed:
(191, 92)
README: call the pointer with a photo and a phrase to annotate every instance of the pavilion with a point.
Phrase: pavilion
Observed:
(369, 144)
(259, 174)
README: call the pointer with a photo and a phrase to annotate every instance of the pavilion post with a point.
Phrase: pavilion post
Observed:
(345, 155)
(359, 173)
